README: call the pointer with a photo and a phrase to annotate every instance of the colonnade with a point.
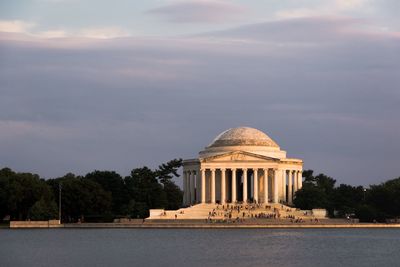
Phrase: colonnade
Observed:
(259, 185)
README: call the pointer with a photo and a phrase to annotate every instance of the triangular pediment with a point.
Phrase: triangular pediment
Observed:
(240, 156)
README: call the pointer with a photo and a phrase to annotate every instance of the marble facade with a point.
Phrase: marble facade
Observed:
(241, 165)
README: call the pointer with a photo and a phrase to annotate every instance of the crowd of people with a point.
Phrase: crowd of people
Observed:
(241, 212)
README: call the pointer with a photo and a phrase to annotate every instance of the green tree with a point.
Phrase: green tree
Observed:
(165, 174)
(81, 198)
(347, 198)
(317, 192)
(112, 182)
(43, 210)
(384, 199)
(174, 195)
(20, 191)
(310, 197)
(169, 170)
(143, 187)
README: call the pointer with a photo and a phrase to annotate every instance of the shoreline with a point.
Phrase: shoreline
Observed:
(208, 226)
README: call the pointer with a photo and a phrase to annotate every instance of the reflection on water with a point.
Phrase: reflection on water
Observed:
(184, 247)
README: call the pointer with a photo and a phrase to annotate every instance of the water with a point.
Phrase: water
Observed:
(183, 247)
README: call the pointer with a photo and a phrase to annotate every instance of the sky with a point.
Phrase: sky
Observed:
(114, 85)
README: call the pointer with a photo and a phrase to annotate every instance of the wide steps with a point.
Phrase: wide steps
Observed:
(202, 211)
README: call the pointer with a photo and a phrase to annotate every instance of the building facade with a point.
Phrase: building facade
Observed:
(241, 165)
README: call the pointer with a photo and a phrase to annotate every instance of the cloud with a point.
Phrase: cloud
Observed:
(30, 28)
(102, 33)
(15, 26)
(196, 11)
(349, 4)
(326, 91)
(324, 8)
(309, 30)
(53, 34)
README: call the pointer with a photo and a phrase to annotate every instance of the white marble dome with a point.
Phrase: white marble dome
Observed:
(243, 139)
(242, 136)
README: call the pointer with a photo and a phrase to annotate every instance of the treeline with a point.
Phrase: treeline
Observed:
(105, 195)
(376, 203)
(97, 196)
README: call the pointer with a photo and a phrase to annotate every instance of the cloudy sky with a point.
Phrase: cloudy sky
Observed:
(92, 84)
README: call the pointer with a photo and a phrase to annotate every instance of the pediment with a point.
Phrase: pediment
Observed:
(239, 156)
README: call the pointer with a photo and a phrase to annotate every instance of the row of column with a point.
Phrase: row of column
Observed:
(189, 187)
(294, 183)
(194, 184)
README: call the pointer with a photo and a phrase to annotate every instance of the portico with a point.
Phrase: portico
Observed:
(241, 165)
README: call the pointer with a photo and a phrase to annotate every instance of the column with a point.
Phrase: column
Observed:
(265, 186)
(244, 185)
(184, 188)
(192, 187)
(283, 172)
(290, 188)
(294, 182)
(198, 195)
(213, 186)
(187, 187)
(276, 183)
(223, 186)
(255, 176)
(234, 185)
(203, 186)
(300, 179)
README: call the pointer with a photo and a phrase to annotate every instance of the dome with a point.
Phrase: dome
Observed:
(242, 136)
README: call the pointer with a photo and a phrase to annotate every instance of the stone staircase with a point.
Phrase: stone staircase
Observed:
(202, 211)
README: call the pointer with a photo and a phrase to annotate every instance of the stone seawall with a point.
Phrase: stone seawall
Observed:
(178, 225)
(35, 224)
(226, 226)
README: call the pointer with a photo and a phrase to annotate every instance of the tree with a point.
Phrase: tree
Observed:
(169, 170)
(384, 199)
(346, 199)
(317, 192)
(112, 182)
(81, 198)
(143, 187)
(310, 197)
(20, 191)
(165, 173)
(174, 195)
(43, 210)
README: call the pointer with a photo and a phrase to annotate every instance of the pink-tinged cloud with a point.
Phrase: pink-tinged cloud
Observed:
(200, 11)
(78, 104)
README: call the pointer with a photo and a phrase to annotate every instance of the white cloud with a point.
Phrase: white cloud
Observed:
(324, 8)
(297, 13)
(103, 33)
(17, 26)
(349, 4)
(53, 34)
(119, 97)
(196, 11)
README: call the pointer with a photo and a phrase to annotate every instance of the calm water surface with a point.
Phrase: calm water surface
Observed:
(182, 247)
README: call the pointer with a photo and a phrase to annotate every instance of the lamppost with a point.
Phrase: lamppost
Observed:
(365, 190)
(59, 201)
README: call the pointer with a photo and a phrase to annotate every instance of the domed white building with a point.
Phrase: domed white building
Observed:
(241, 165)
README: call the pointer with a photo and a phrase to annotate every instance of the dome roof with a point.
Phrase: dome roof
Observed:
(242, 136)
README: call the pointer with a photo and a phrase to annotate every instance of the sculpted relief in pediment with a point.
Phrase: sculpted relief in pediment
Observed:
(238, 157)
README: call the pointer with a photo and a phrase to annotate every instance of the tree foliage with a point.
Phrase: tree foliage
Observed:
(19, 192)
(103, 195)
(97, 196)
(377, 203)
(43, 210)
(112, 182)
